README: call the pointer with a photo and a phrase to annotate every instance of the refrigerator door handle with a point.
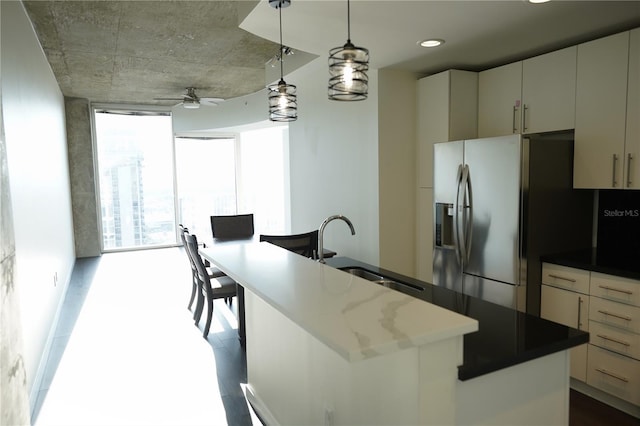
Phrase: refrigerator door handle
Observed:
(457, 240)
(468, 212)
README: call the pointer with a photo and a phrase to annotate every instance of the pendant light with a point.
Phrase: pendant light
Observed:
(348, 66)
(283, 103)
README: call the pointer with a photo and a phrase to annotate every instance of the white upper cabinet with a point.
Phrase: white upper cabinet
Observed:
(549, 91)
(447, 111)
(499, 97)
(531, 96)
(603, 84)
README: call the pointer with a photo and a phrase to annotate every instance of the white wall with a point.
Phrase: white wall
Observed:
(334, 163)
(39, 180)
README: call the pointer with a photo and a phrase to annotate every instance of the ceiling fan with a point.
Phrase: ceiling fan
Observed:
(191, 101)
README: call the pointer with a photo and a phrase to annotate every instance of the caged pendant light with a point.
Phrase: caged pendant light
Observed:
(283, 103)
(348, 66)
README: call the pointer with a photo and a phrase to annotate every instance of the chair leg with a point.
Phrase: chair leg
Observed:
(194, 289)
(199, 305)
(205, 334)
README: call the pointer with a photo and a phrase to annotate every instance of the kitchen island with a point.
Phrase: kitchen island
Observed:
(327, 347)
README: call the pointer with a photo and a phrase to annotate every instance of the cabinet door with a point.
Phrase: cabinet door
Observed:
(549, 91)
(433, 122)
(632, 140)
(447, 111)
(601, 103)
(570, 309)
(565, 307)
(499, 98)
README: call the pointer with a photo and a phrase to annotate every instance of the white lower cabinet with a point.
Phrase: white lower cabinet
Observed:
(624, 317)
(569, 307)
(611, 313)
(614, 339)
(613, 373)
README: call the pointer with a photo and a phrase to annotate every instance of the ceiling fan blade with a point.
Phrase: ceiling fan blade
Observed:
(168, 99)
(211, 101)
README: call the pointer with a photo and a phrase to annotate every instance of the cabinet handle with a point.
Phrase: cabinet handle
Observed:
(620, 342)
(614, 315)
(615, 163)
(606, 287)
(615, 376)
(562, 278)
(629, 158)
(515, 111)
(579, 312)
(524, 118)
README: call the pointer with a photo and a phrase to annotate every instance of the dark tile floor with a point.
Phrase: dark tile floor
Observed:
(97, 277)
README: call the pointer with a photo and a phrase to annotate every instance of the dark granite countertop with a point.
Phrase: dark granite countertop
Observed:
(625, 264)
(505, 337)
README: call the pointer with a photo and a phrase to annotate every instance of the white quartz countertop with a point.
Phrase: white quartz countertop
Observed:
(355, 317)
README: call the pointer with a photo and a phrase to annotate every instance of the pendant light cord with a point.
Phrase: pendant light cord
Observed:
(281, 49)
(348, 22)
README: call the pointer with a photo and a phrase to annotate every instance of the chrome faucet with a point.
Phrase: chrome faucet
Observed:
(321, 233)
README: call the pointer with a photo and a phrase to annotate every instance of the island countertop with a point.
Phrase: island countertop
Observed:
(506, 337)
(354, 317)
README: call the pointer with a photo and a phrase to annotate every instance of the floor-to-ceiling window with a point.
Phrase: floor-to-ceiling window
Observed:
(206, 181)
(264, 178)
(149, 181)
(223, 175)
(135, 174)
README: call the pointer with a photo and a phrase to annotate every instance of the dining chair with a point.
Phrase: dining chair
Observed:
(209, 288)
(305, 244)
(211, 270)
(232, 227)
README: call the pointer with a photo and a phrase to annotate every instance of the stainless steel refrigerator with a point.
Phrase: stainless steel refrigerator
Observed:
(499, 204)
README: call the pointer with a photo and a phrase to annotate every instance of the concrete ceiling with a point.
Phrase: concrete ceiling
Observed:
(135, 51)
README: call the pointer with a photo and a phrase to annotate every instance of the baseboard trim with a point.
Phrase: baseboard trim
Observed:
(261, 410)
(38, 378)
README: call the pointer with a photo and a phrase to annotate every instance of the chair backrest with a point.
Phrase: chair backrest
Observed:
(183, 233)
(191, 242)
(183, 230)
(232, 227)
(305, 244)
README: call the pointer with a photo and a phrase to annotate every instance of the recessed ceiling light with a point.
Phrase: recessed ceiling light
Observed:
(538, 1)
(432, 42)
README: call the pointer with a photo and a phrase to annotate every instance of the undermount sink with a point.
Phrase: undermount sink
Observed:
(379, 279)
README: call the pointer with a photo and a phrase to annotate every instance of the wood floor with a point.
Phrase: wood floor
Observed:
(126, 352)
(586, 411)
